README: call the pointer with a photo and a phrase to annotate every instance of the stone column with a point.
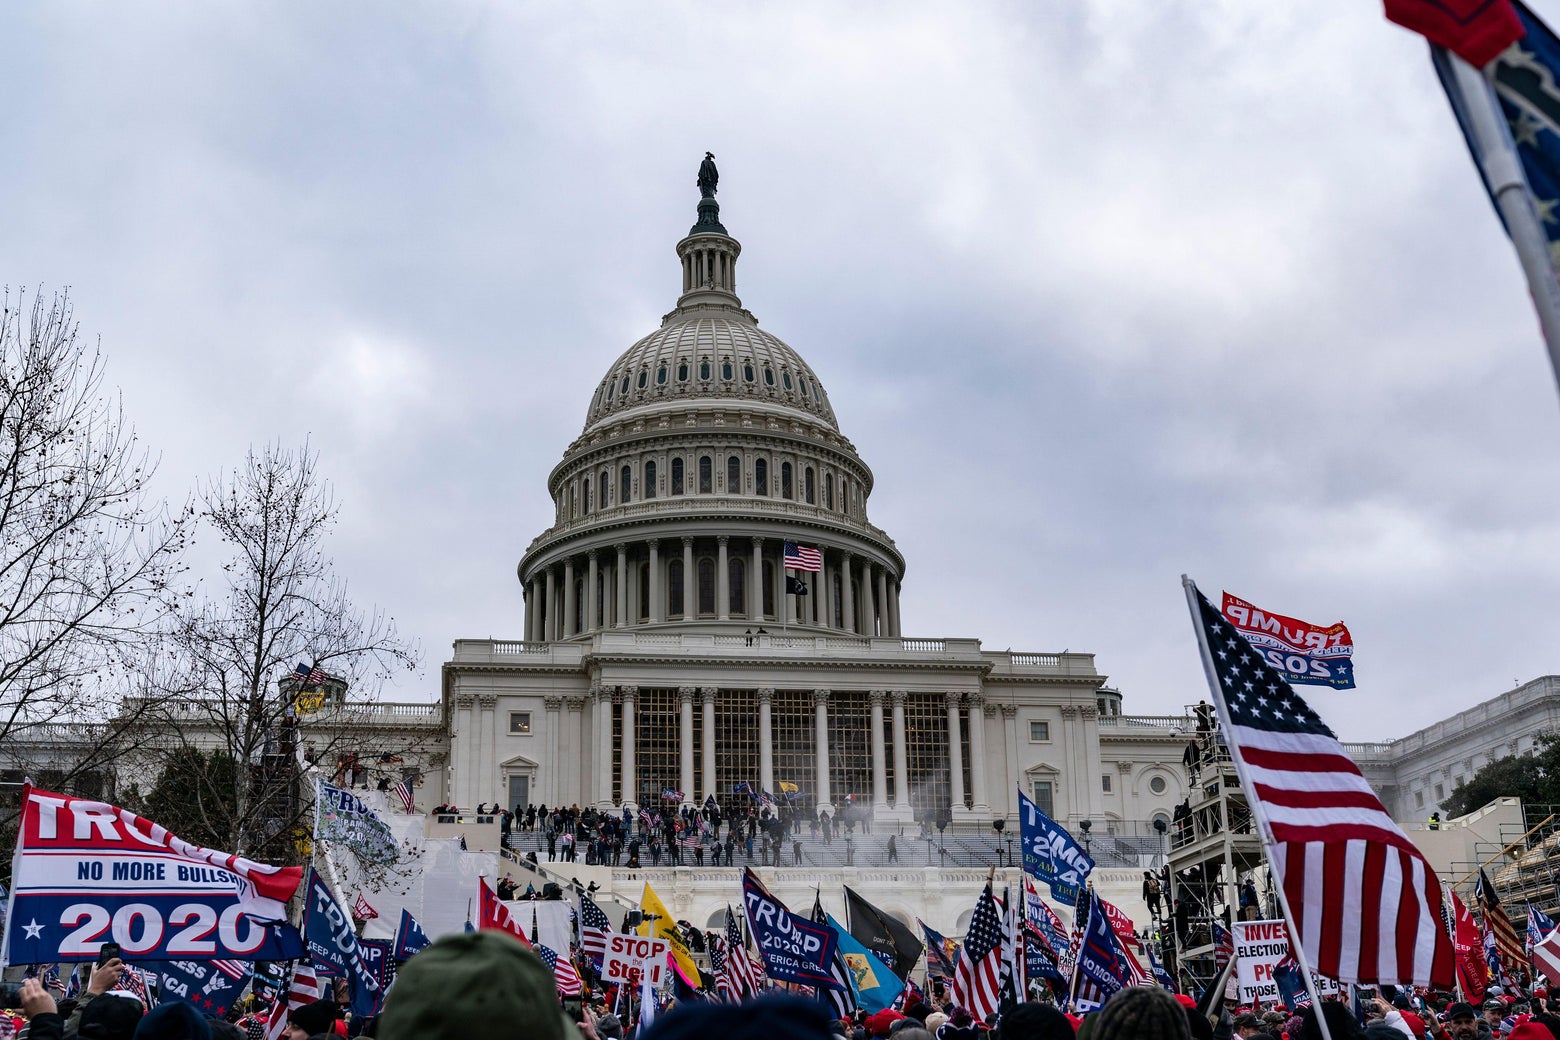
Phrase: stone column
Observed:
(550, 775)
(690, 582)
(657, 596)
(487, 762)
(466, 741)
(756, 584)
(602, 761)
(1077, 806)
(893, 608)
(978, 710)
(868, 608)
(882, 600)
(551, 631)
(568, 784)
(879, 768)
(707, 739)
(901, 758)
(592, 576)
(766, 741)
(1010, 738)
(685, 741)
(570, 599)
(722, 579)
(955, 753)
(533, 613)
(630, 788)
(622, 584)
(847, 595)
(821, 742)
(824, 592)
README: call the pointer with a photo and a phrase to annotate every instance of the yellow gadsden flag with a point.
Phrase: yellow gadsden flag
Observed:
(660, 925)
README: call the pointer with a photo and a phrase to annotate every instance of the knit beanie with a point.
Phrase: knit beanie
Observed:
(1143, 1013)
(314, 1017)
(1034, 1021)
(474, 984)
(173, 1021)
(109, 1018)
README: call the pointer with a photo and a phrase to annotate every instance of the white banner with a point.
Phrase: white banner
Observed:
(628, 954)
(1259, 946)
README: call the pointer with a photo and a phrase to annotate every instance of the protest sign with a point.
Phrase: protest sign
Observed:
(627, 954)
(793, 948)
(1260, 948)
(86, 873)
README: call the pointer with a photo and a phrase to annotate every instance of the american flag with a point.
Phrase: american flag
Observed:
(304, 989)
(362, 910)
(716, 944)
(403, 791)
(1546, 956)
(801, 558)
(1101, 969)
(134, 982)
(1506, 941)
(1223, 946)
(595, 926)
(743, 975)
(977, 976)
(569, 982)
(688, 839)
(841, 1001)
(309, 677)
(1366, 903)
(52, 980)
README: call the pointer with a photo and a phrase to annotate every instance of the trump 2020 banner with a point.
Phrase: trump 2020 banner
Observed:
(86, 873)
(1317, 655)
(793, 948)
(1050, 853)
(341, 816)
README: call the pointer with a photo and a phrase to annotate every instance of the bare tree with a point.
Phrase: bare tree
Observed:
(87, 555)
(279, 603)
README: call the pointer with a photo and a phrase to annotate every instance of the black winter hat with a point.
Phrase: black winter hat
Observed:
(314, 1017)
(767, 1018)
(173, 1021)
(109, 1018)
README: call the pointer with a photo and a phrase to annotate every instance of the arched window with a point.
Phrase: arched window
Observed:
(838, 607)
(674, 588)
(733, 476)
(660, 376)
(649, 480)
(760, 477)
(605, 491)
(644, 592)
(828, 490)
(704, 369)
(809, 486)
(706, 585)
(706, 477)
(786, 378)
(585, 495)
(625, 485)
(786, 490)
(726, 371)
(677, 476)
(682, 371)
(769, 376)
(769, 592)
(736, 575)
(747, 371)
(644, 377)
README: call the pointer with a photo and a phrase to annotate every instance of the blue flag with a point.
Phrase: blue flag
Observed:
(1050, 853)
(331, 937)
(409, 937)
(1100, 958)
(376, 957)
(211, 986)
(793, 948)
(874, 982)
(1291, 984)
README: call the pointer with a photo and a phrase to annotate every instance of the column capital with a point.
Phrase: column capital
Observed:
(621, 547)
(464, 700)
(722, 539)
(1123, 768)
(575, 701)
(487, 701)
(1089, 713)
(653, 543)
(877, 697)
(552, 703)
(976, 700)
(898, 697)
(687, 541)
(758, 543)
(821, 697)
(988, 709)
(1069, 711)
(766, 694)
(1010, 711)
(707, 693)
(847, 556)
(593, 555)
(685, 694)
(627, 693)
(951, 698)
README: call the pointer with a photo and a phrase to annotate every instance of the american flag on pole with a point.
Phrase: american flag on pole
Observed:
(801, 558)
(568, 979)
(134, 982)
(977, 983)
(842, 1001)
(1499, 922)
(595, 926)
(304, 989)
(403, 791)
(743, 976)
(1546, 951)
(362, 910)
(1366, 903)
(1223, 946)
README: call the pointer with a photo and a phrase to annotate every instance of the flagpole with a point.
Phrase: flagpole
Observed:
(1497, 157)
(1252, 801)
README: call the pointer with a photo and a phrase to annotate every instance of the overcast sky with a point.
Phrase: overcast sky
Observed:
(1103, 293)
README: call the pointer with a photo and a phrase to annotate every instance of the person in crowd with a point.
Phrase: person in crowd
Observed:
(1151, 893)
(892, 850)
(477, 984)
(767, 1018)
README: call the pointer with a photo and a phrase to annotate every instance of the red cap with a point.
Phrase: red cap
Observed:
(1186, 1001)
(880, 1023)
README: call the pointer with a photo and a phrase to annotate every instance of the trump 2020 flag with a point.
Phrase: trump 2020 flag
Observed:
(1366, 903)
(409, 937)
(332, 938)
(340, 816)
(86, 872)
(1050, 853)
(1317, 655)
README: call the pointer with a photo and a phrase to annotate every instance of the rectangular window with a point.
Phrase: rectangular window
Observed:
(1043, 798)
(520, 723)
(1440, 792)
(1039, 732)
(1105, 783)
(1419, 799)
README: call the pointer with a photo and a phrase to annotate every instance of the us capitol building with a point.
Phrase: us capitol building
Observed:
(668, 648)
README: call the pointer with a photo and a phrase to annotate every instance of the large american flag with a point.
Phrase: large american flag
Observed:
(801, 558)
(595, 926)
(1223, 946)
(403, 791)
(569, 982)
(1506, 941)
(1367, 905)
(741, 973)
(1546, 953)
(977, 985)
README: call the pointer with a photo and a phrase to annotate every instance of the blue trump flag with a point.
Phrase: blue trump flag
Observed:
(409, 937)
(211, 986)
(375, 955)
(874, 982)
(332, 938)
(793, 948)
(1101, 962)
(1050, 853)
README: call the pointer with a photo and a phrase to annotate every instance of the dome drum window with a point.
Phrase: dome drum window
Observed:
(785, 377)
(677, 476)
(747, 372)
(727, 372)
(660, 376)
(733, 476)
(704, 370)
(761, 477)
(644, 378)
(649, 480)
(769, 376)
(706, 475)
(682, 371)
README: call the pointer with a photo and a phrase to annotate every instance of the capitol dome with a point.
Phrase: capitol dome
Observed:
(709, 447)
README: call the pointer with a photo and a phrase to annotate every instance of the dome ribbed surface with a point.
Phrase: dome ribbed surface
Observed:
(707, 360)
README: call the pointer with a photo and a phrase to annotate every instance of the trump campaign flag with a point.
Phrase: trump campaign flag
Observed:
(211, 986)
(793, 948)
(340, 816)
(409, 937)
(332, 938)
(86, 873)
(1050, 853)
(1318, 655)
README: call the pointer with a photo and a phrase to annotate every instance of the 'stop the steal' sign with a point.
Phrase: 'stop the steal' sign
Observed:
(1301, 652)
(630, 958)
(793, 948)
(87, 873)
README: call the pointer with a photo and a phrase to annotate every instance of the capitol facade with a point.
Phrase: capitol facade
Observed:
(672, 652)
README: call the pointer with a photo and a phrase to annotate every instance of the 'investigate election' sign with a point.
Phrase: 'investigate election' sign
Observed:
(1259, 948)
